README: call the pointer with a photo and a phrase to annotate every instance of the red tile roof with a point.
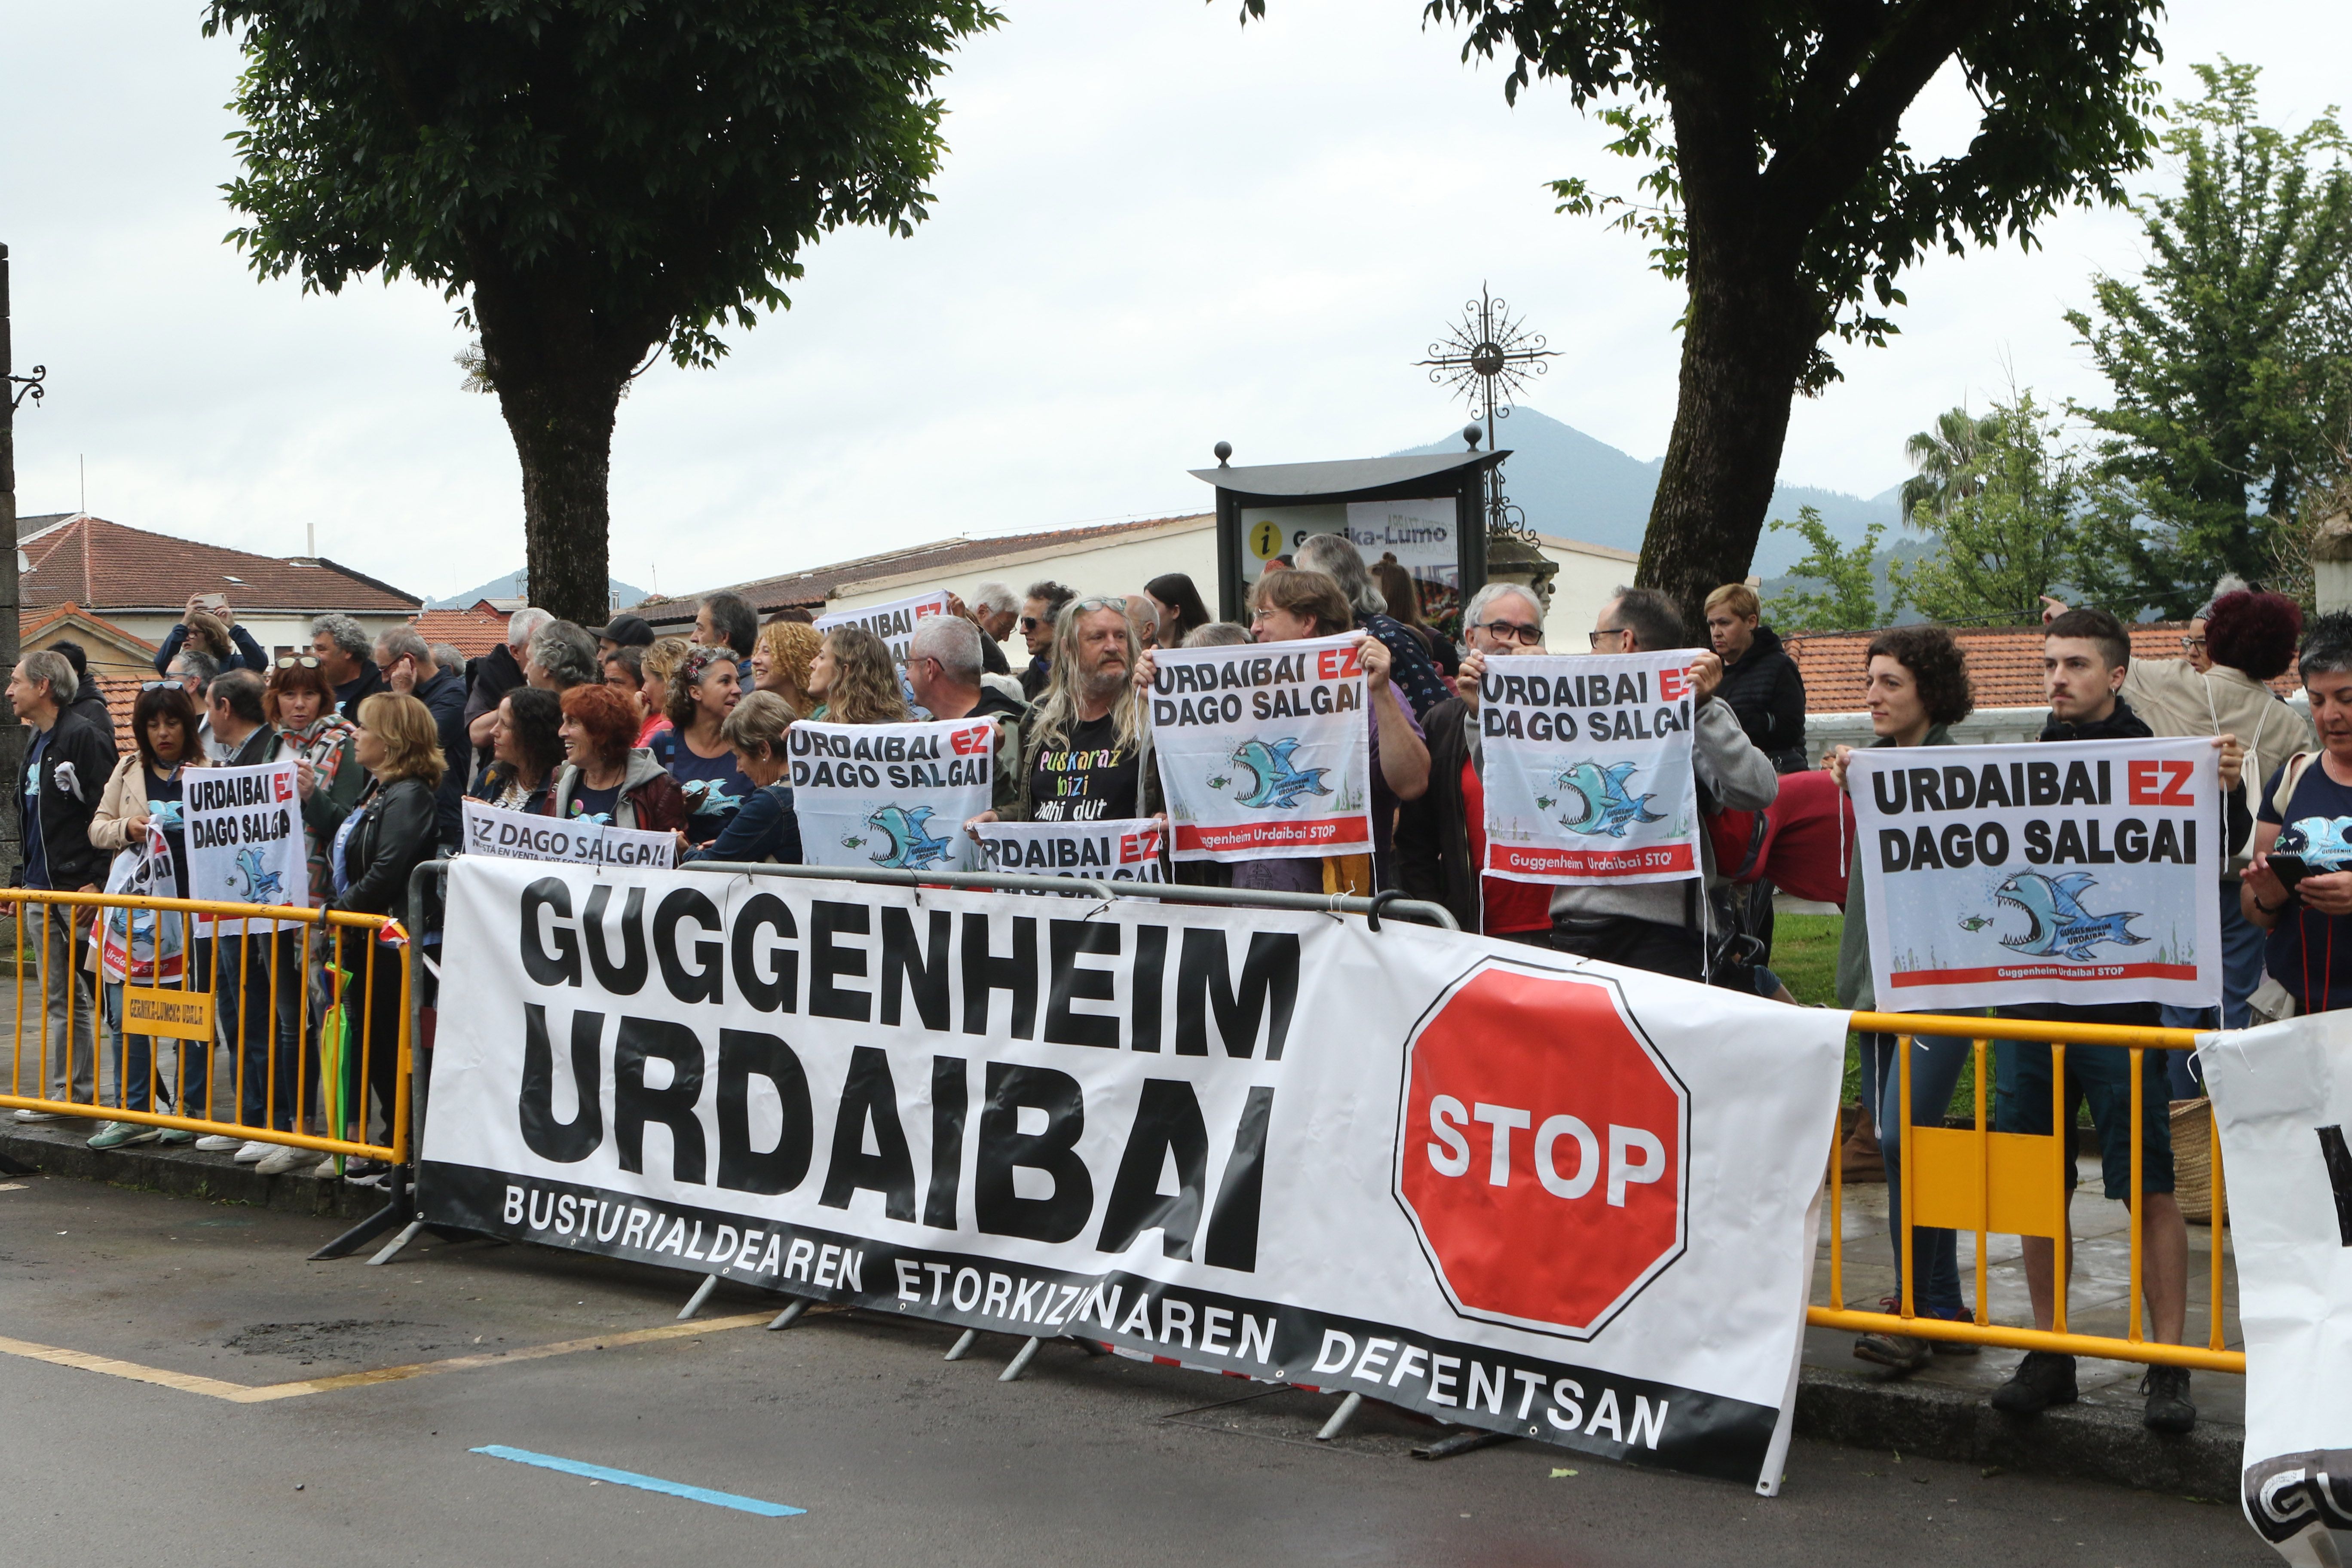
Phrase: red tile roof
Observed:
(55, 620)
(809, 589)
(2004, 664)
(472, 632)
(112, 569)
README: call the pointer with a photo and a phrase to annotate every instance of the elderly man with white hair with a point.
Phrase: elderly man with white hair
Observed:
(996, 611)
(495, 673)
(943, 671)
(1441, 838)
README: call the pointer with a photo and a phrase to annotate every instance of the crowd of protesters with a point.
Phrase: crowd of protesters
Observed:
(687, 736)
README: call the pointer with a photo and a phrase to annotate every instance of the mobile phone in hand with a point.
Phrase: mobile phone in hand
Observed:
(216, 602)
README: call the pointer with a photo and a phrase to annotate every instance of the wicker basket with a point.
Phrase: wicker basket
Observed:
(2192, 1160)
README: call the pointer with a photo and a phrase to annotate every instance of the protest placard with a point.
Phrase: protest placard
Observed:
(493, 830)
(244, 839)
(1265, 752)
(2076, 871)
(1125, 850)
(892, 795)
(1588, 775)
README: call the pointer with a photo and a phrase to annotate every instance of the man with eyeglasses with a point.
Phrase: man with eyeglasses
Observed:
(943, 668)
(1038, 613)
(1664, 927)
(1441, 837)
(191, 670)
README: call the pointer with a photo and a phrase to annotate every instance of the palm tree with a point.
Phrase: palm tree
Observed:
(1947, 460)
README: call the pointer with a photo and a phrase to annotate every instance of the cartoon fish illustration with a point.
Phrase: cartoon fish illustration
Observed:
(260, 886)
(2321, 843)
(1543, 803)
(1273, 779)
(856, 842)
(1976, 923)
(912, 844)
(1220, 782)
(1598, 800)
(2061, 927)
(707, 796)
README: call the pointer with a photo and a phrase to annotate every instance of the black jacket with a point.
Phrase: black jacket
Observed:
(1035, 680)
(1433, 834)
(75, 767)
(444, 696)
(992, 657)
(396, 833)
(1768, 694)
(358, 689)
(90, 703)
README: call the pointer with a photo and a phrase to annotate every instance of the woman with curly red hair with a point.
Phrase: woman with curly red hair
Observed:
(606, 777)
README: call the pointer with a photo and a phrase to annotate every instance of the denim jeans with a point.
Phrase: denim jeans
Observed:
(261, 994)
(2244, 945)
(1936, 1067)
(67, 1030)
(181, 1091)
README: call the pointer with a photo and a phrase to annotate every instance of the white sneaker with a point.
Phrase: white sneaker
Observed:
(218, 1143)
(254, 1153)
(39, 1116)
(326, 1170)
(285, 1157)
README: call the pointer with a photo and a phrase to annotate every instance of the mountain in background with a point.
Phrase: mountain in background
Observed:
(504, 588)
(1574, 486)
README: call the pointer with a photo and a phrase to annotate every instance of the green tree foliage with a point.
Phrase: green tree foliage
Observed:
(2015, 537)
(1777, 186)
(2228, 359)
(598, 181)
(1847, 600)
(1944, 462)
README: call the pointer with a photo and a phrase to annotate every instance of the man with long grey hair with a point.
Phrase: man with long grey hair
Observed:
(1410, 665)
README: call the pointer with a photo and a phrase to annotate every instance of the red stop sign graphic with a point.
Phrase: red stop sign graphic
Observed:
(1542, 1148)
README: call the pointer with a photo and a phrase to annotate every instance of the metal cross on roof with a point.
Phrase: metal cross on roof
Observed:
(1487, 358)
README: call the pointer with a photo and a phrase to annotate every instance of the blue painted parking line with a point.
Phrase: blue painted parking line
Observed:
(645, 1483)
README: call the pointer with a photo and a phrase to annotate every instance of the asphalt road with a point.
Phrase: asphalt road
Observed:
(896, 1455)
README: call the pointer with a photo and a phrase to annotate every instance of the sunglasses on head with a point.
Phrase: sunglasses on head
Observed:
(159, 686)
(291, 659)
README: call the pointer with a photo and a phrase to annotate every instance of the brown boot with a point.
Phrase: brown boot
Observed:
(1859, 1156)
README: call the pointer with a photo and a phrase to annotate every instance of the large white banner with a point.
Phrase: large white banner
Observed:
(2283, 1097)
(1589, 768)
(890, 795)
(244, 840)
(893, 622)
(1118, 849)
(1495, 1185)
(2080, 871)
(494, 830)
(1264, 750)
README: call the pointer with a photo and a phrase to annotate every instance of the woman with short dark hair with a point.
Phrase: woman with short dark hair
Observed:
(1916, 688)
(526, 749)
(706, 688)
(766, 828)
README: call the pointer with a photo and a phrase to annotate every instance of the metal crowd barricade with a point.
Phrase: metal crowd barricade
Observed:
(318, 1117)
(2015, 1183)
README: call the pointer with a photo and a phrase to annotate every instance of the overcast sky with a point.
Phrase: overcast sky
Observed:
(1155, 230)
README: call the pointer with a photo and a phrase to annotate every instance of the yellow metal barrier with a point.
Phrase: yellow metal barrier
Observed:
(2015, 1183)
(328, 1110)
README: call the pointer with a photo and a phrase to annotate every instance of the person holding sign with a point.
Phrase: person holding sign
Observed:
(943, 669)
(1659, 925)
(604, 779)
(701, 696)
(2085, 656)
(2298, 888)
(1916, 689)
(765, 827)
(144, 792)
(1083, 755)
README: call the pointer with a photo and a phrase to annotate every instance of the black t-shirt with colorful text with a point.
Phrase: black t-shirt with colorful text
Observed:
(1086, 775)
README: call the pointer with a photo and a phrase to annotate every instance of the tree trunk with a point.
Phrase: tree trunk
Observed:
(1747, 341)
(559, 378)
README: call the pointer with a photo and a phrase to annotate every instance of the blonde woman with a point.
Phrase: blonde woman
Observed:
(854, 680)
(781, 660)
(659, 664)
(371, 852)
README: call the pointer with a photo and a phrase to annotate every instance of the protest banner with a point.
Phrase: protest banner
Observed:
(894, 796)
(2078, 871)
(1264, 750)
(1560, 1200)
(1121, 850)
(1588, 775)
(2282, 1100)
(893, 622)
(244, 840)
(494, 830)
